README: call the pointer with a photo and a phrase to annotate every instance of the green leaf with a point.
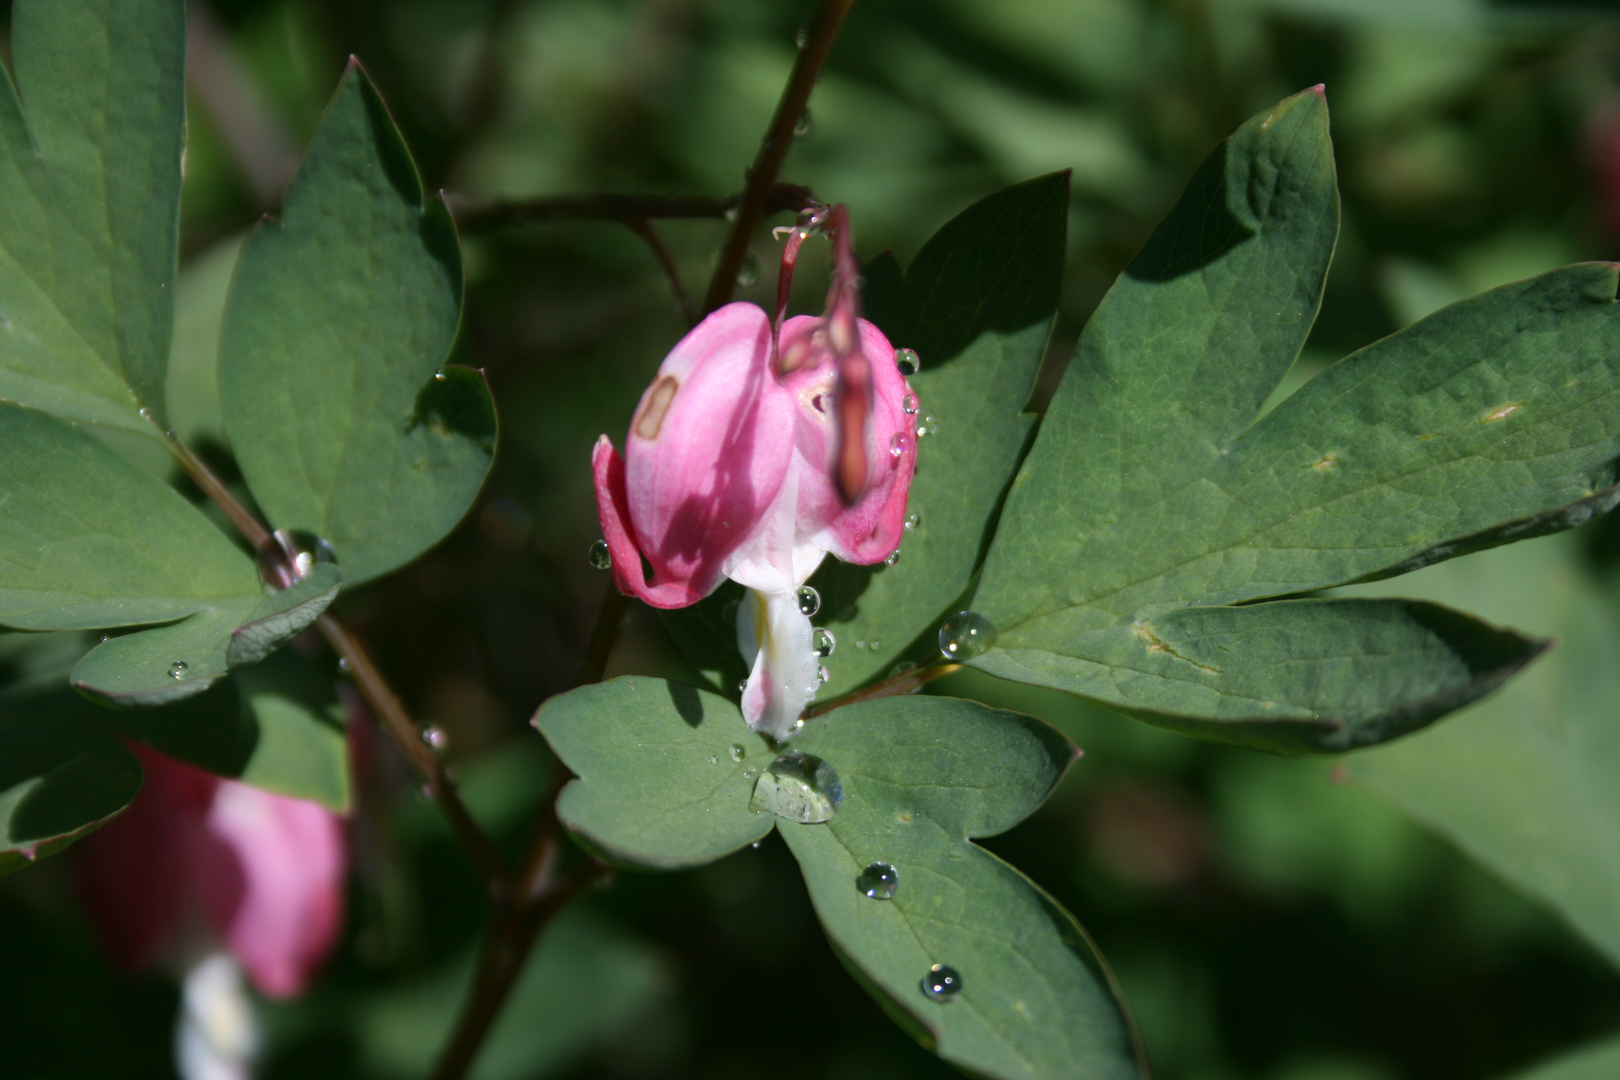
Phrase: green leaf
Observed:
(89, 540)
(339, 319)
(1526, 784)
(172, 662)
(89, 206)
(977, 306)
(59, 779)
(1148, 491)
(1292, 676)
(277, 725)
(199, 309)
(921, 778)
(1599, 1061)
(665, 771)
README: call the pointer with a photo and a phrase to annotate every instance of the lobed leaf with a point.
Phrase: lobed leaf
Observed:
(91, 138)
(90, 540)
(59, 780)
(921, 777)
(1148, 491)
(339, 320)
(1598, 1061)
(1291, 676)
(172, 662)
(659, 784)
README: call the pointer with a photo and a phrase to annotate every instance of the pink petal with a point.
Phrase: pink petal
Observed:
(869, 529)
(270, 879)
(706, 454)
(612, 507)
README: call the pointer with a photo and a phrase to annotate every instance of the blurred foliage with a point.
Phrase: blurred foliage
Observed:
(1267, 923)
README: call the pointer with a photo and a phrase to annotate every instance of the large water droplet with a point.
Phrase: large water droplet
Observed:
(899, 443)
(965, 635)
(178, 669)
(879, 881)
(805, 125)
(809, 601)
(927, 424)
(600, 557)
(909, 404)
(748, 272)
(435, 737)
(822, 642)
(913, 519)
(736, 752)
(942, 982)
(907, 361)
(799, 787)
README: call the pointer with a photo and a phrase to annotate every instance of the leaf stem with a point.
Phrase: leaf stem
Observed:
(820, 33)
(623, 208)
(385, 704)
(907, 682)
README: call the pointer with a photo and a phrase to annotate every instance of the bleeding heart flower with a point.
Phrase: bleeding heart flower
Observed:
(756, 451)
(199, 862)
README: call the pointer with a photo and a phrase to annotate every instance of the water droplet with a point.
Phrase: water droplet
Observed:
(344, 666)
(966, 634)
(941, 983)
(809, 220)
(892, 557)
(439, 376)
(913, 519)
(861, 643)
(742, 684)
(874, 645)
(879, 881)
(822, 642)
(425, 791)
(600, 557)
(805, 125)
(435, 737)
(899, 669)
(756, 844)
(899, 444)
(146, 414)
(714, 759)
(798, 726)
(907, 361)
(748, 272)
(732, 214)
(736, 752)
(823, 675)
(178, 669)
(802, 38)
(909, 404)
(809, 601)
(927, 424)
(106, 638)
(749, 774)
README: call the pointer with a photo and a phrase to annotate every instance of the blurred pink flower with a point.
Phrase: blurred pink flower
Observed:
(199, 862)
(755, 452)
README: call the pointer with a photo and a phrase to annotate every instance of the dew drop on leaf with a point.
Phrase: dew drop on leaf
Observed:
(913, 519)
(965, 635)
(736, 752)
(892, 557)
(177, 670)
(879, 881)
(942, 982)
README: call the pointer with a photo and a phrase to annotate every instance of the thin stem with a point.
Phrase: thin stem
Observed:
(624, 208)
(505, 951)
(608, 618)
(819, 36)
(907, 682)
(666, 262)
(398, 723)
(378, 694)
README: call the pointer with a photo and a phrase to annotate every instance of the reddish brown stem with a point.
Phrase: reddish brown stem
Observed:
(907, 682)
(385, 704)
(820, 33)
